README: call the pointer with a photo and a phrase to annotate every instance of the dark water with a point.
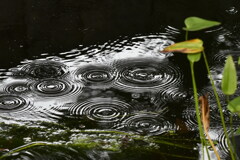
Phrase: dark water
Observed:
(86, 79)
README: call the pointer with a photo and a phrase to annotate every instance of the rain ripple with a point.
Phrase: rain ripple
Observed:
(172, 95)
(17, 109)
(56, 88)
(146, 124)
(95, 75)
(9, 103)
(105, 110)
(138, 75)
(15, 87)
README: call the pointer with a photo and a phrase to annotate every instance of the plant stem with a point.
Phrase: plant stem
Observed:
(18, 149)
(219, 106)
(231, 128)
(197, 109)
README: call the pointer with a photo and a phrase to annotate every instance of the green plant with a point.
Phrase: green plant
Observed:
(194, 49)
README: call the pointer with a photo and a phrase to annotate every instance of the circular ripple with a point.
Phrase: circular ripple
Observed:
(44, 69)
(172, 95)
(211, 97)
(189, 116)
(214, 111)
(22, 109)
(16, 87)
(10, 102)
(221, 57)
(102, 109)
(53, 88)
(146, 74)
(95, 75)
(146, 124)
(222, 142)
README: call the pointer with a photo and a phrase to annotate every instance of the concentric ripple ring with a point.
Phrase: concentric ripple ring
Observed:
(11, 102)
(102, 109)
(51, 87)
(146, 124)
(147, 74)
(95, 75)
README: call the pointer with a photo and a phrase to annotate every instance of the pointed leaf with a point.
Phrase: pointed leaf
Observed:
(194, 57)
(229, 81)
(196, 24)
(234, 105)
(189, 47)
(238, 60)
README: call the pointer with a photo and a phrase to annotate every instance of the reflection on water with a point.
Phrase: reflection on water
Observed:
(103, 100)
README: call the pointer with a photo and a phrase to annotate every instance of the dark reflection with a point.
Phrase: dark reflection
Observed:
(31, 27)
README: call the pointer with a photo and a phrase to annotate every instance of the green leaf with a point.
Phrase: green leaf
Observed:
(229, 81)
(196, 24)
(238, 60)
(234, 105)
(194, 57)
(189, 47)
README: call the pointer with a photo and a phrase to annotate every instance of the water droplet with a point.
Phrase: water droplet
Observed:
(232, 10)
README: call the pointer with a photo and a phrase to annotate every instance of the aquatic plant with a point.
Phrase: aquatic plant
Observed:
(194, 49)
(107, 140)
